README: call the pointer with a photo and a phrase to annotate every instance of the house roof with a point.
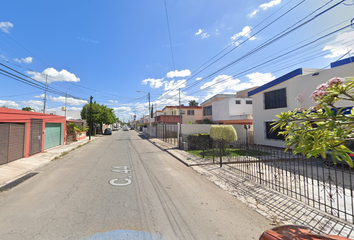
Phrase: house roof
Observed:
(218, 96)
(183, 107)
(295, 73)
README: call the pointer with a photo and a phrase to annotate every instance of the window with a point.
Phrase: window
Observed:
(190, 112)
(274, 134)
(207, 110)
(238, 101)
(248, 101)
(275, 99)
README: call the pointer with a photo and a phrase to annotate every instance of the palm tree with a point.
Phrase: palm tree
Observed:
(193, 103)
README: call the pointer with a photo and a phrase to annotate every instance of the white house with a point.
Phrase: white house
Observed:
(293, 90)
(228, 109)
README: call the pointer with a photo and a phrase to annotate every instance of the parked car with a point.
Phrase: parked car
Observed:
(125, 128)
(289, 232)
(131, 128)
(115, 129)
(107, 131)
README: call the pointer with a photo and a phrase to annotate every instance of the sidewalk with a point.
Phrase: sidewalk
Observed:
(275, 206)
(12, 171)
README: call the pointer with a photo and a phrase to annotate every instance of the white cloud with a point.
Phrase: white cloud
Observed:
(264, 7)
(54, 76)
(202, 34)
(25, 60)
(205, 35)
(69, 100)
(270, 4)
(252, 14)
(113, 101)
(220, 84)
(74, 108)
(259, 79)
(199, 78)
(244, 33)
(154, 83)
(122, 109)
(217, 32)
(5, 26)
(182, 73)
(35, 104)
(171, 98)
(171, 84)
(345, 44)
(39, 96)
(9, 104)
(224, 82)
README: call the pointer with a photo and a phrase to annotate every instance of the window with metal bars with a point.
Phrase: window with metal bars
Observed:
(274, 134)
(275, 99)
(190, 112)
(207, 110)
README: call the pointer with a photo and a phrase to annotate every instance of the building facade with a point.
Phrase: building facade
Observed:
(24, 133)
(290, 91)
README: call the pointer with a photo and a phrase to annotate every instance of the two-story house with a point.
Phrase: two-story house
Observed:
(189, 114)
(290, 91)
(228, 109)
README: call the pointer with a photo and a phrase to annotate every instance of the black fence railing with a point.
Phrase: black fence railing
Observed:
(315, 181)
(167, 132)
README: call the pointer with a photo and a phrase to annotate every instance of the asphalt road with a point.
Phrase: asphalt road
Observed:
(123, 187)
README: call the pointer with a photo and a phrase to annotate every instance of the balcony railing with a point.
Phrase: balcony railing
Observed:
(241, 117)
(168, 118)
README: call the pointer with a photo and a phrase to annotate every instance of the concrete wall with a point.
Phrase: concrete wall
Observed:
(188, 129)
(301, 86)
(224, 108)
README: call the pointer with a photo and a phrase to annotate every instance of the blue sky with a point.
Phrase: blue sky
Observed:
(110, 49)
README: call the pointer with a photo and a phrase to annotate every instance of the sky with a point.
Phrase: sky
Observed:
(111, 49)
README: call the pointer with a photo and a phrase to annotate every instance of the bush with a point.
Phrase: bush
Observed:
(222, 135)
(200, 141)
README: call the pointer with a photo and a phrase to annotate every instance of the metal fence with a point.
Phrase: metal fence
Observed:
(315, 181)
(167, 132)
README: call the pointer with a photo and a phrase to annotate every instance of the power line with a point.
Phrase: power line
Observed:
(270, 41)
(169, 36)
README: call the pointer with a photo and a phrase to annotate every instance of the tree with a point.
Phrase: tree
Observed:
(101, 114)
(324, 127)
(223, 135)
(193, 103)
(28, 109)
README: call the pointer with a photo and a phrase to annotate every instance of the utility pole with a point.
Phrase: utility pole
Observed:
(149, 117)
(180, 119)
(45, 93)
(66, 98)
(90, 117)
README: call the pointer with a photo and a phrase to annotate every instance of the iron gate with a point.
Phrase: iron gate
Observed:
(167, 132)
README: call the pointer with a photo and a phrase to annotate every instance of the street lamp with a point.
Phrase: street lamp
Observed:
(247, 127)
(149, 112)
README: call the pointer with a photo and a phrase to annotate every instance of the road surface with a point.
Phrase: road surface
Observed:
(123, 187)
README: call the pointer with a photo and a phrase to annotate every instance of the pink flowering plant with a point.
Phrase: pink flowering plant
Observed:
(324, 127)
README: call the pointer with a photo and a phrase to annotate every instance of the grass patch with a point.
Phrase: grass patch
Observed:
(229, 152)
(66, 152)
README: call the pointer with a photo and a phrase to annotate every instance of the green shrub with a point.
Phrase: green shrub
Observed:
(222, 135)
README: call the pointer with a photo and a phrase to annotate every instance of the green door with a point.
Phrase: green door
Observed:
(52, 135)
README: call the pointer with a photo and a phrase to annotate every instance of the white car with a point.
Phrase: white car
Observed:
(125, 128)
